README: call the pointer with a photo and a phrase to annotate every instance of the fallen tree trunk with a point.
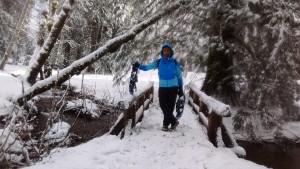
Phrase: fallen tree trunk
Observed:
(79, 65)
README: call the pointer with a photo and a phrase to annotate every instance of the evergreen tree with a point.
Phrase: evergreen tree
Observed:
(258, 40)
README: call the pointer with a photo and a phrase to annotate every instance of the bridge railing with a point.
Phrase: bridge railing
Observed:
(211, 113)
(133, 110)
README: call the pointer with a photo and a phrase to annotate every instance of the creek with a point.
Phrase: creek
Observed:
(83, 128)
(276, 156)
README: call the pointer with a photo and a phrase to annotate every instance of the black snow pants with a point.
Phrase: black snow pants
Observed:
(167, 99)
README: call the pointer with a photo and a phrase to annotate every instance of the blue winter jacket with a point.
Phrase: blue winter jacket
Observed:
(169, 72)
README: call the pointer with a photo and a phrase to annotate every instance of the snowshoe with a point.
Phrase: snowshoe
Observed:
(133, 80)
(180, 106)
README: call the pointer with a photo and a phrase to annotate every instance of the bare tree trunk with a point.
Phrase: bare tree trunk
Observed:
(59, 59)
(40, 41)
(52, 9)
(67, 54)
(94, 40)
(219, 81)
(15, 36)
(49, 42)
(111, 46)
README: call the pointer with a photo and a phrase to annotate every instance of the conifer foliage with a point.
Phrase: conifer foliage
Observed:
(253, 55)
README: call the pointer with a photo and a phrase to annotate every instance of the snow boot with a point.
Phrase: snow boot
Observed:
(165, 128)
(173, 127)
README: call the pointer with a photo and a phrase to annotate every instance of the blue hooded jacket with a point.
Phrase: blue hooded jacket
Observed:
(169, 72)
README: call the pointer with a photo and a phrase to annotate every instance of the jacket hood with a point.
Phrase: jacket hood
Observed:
(168, 45)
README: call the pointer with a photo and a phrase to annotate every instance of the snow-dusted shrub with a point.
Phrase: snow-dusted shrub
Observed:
(12, 146)
(86, 106)
(58, 132)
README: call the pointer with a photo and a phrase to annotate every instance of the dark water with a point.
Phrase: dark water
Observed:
(83, 128)
(285, 156)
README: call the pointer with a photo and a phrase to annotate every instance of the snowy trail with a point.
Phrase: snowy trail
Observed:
(149, 148)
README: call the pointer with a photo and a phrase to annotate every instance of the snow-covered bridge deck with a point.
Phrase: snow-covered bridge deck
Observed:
(150, 148)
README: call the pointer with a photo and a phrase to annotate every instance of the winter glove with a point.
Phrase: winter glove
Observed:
(135, 66)
(180, 91)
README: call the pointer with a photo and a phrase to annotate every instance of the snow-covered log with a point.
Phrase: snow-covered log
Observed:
(110, 47)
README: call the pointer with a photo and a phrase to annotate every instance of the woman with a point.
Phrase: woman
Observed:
(170, 84)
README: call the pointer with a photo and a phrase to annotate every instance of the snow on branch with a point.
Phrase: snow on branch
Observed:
(110, 47)
(278, 44)
(212, 104)
(48, 45)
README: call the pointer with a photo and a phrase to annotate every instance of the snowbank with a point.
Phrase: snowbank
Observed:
(149, 148)
(9, 87)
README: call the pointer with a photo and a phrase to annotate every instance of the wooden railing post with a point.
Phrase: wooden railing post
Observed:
(211, 113)
(214, 122)
(152, 92)
(225, 136)
(130, 113)
(133, 114)
(191, 96)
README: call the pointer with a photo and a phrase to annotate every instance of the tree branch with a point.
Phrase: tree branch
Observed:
(47, 47)
(110, 47)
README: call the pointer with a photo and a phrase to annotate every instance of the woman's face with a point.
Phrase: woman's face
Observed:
(167, 52)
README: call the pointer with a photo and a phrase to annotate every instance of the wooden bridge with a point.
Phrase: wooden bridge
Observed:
(209, 110)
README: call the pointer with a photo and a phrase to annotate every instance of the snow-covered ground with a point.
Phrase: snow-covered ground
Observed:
(148, 146)
(9, 86)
